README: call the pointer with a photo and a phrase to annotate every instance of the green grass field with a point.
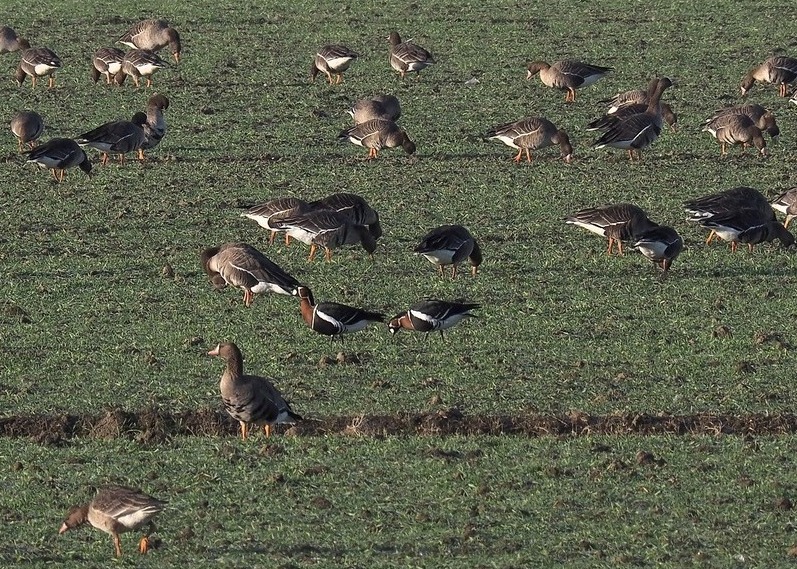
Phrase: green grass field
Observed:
(88, 322)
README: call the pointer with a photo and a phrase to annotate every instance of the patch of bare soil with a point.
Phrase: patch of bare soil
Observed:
(151, 425)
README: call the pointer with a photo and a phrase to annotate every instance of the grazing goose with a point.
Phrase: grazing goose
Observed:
(262, 214)
(532, 133)
(37, 62)
(450, 245)
(736, 129)
(430, 315)
(728, 203)
(115, 510)
(786, 203)
(567, 75)
(333, 319)
(153, 35)
(60, 154)
(747, 226)
(617, 222)
(10, 41)
(325, 228)
(762, 118)
(385, 107)
(117, 137)
(355, 208)
(778, 70)
(377, 134)
(139, 63)
(332, 59)
(242, 266)
(630, 103)
(406, 57)
(155, 125)
(27, 126)
(106, 61)
(250, 399)
(638, 131)
(660, 244)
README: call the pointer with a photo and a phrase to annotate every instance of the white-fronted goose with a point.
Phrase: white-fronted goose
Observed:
(385, 107)
(786, 203)
(532, 133)
(356, 209)
(406, 57)
(155, 125)
(778, 70)
(763, 119)
(630, 103)
(638, 131)
(736, 129)
(660, 244)
(450, 245)
(153, 35)
(27, 126)
(325, 228)
(10, 41)
(117, 137)
(242, 266)
(331, 318)
(377, 134)
(115, 510)
(37, 62)
(262, 214)
(430, 315)
(747, 226)
(727, 204)
(250, 399)
(139, 63)
(60, 154)
(106, 61)
(617, 222)
(332, 60)
(567, 75)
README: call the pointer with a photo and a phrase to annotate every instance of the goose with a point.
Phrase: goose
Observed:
(332, 60)
(778, 70)
(106, 61)
(406, 57)
(728, 203)
(10, 41)
(630, 103)
(325, 228)
(242, 266)
(27, 126)
(736, 129)
(118, 137)
(37, 62)
(377, 134)
(660, 244)
(532, 133)
(618, 222)
(331, 318)
(355, 208)
(638, 131)
(262, 214)
(378, 107)
(139, 63)
(786, 203)
(450, 245)
(567, 75)
(117, 509)
(747, 226)
(153, 35)
(60, 154)
(250, 399)
(430, 315)
(762, 118)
